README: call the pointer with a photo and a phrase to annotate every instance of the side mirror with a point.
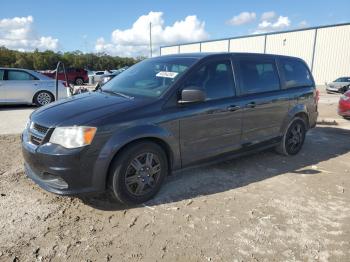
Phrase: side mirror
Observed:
(192, 95)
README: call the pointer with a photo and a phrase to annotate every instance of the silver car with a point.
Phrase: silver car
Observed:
(22, 86)
(340, 85)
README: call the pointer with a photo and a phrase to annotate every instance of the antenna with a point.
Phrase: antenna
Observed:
(150, 38)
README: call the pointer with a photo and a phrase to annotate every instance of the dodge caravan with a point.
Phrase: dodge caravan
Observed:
(167, 113)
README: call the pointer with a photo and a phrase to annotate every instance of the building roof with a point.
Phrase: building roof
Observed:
(262, 34)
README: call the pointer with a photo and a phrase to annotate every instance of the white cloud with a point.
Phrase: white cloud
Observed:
(303, 23)
(242, 18)
(282, 22)
(268, 16)
(18, 33)
(135, 40)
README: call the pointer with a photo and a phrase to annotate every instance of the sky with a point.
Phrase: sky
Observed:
(122, 27)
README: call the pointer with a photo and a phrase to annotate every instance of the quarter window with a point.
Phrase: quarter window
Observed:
(19, 75)
(295, 73)
(258, 76)
(215, 79)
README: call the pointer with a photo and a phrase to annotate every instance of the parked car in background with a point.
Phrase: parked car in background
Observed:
(109, 76)
(344, 105)
(96, 77)
(340, 85)
(74, 75)
(167, 113)
(22, 86)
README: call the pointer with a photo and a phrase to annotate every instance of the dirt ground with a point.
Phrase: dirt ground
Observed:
(262, 207)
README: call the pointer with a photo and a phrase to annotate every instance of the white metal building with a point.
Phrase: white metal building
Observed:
(326, 49)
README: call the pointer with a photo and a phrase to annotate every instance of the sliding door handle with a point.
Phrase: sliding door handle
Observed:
(251, 105)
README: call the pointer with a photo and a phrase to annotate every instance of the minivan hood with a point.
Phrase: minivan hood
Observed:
(83, 108)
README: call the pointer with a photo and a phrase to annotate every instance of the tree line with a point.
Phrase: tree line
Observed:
(47, 60)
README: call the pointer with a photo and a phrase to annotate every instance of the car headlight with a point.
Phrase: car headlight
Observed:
(73, 136)
(28, 123)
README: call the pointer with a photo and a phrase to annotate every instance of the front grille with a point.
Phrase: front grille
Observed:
(37, 133)
(35, 140)
(40, 129)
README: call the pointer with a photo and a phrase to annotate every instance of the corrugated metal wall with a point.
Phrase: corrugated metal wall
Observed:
(299, 44)
(254, 44)
(325, 49)
(332, 53)
(215, 46)
(169, 50)
(190, 48)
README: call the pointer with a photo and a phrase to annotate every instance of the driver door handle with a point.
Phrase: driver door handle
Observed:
(233, 108)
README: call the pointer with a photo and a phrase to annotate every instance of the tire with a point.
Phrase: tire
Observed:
(79, 81)
(133, 179)
(43, 98)
(293, 138)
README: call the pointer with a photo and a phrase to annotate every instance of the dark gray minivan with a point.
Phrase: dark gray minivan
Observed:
(167, 113)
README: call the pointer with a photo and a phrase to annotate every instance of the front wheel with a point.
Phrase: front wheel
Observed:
(138, 173)
(293, 138)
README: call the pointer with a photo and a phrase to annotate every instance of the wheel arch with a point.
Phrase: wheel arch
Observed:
(298, 110)
(78, 77)
(119, 140)
(156, 140)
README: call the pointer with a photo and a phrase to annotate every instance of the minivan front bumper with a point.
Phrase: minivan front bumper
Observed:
(59, 170)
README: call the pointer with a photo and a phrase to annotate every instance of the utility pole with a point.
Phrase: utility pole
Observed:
(150, 38)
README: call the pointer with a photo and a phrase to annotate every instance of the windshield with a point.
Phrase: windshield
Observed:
(151, 77)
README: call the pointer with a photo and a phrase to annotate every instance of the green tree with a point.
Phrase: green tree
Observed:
(48, 60)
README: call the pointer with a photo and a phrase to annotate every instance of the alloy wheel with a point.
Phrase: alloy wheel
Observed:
(295, 137)
(142, 174)
(44, 98)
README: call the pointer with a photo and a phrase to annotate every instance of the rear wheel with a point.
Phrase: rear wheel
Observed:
(79, 81)
(138, 173)
(293, 138)
(43, 98)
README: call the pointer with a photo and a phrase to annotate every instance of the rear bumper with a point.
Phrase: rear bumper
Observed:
(332, 89)
(344, 108)
(313, 119)
(345, 113)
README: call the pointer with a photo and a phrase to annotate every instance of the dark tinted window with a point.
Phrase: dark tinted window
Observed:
(19, 75)
(258, 75)
(295, 73)
(343, 79)
(215, 78)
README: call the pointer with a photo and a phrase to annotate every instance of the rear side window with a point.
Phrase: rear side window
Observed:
(296, 74)
(19, 75)
(215, 78)
(258, 76)
(1, 74)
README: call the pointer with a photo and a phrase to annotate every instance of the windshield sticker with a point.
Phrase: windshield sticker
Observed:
(167, 74)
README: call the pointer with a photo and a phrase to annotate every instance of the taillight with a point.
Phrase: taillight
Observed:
(317, 97)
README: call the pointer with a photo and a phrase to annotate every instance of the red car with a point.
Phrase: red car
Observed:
(344, 105)
(75, 75)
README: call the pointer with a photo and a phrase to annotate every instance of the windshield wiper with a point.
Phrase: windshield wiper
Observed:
(118, 93)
